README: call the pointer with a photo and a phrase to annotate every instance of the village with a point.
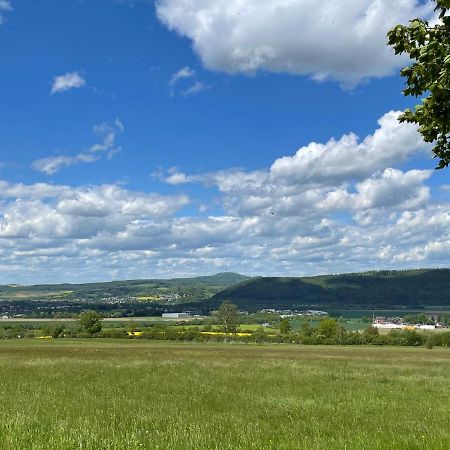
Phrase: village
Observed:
(421, 322)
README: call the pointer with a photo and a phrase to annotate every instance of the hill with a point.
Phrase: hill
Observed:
(175, 290)
(410, 289)
(220, 279)
(384, 289)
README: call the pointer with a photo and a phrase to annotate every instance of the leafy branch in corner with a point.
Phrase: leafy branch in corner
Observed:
(429, 74)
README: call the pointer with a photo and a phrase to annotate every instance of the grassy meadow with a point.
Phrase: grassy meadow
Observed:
(155, 395)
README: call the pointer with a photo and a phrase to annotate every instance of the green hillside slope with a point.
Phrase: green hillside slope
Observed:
(409, 288)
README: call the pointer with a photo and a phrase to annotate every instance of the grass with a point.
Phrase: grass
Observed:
(114, 395)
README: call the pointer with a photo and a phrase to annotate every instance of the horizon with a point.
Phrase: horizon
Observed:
(418, 269)
(136, 141)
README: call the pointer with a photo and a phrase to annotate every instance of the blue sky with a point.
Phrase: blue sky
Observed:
(171, 138)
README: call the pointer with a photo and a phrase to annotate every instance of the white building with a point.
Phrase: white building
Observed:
(426, 327)
(175, 315)
(388, 325)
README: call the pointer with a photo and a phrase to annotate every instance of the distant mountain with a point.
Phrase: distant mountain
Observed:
(220, 279)
(175, 290)
(387, 289)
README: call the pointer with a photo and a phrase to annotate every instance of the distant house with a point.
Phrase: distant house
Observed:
(194, 313)
(313, 312)
(388, 325)
(384, 323)
(426, 327)
(4, 317)
(179, 315)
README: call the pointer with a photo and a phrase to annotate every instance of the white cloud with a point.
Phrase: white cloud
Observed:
(392, 189)
(196, 88)
(341, 174)
(56, 212)
(176, 177)
(70, 80)
(183, 73)
(341, 40)
(346, 158)
(5, 5)
(333, 207)
(53, 164)
(186, 73)
(34, 191)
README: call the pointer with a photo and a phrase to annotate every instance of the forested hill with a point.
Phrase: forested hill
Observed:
(410, 288)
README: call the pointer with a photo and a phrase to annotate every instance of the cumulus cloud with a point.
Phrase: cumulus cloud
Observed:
(392, 189)
(347, 158)
(344, 40)
(345, 205)
(5, 5)
(106, 132)
(53, 212)
(345, 173)
(66, 82)
(35, 191)
(330, 207)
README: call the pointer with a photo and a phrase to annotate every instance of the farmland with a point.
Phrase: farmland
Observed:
(221, 396)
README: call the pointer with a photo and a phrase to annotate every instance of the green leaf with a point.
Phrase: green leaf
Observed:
(428, 76)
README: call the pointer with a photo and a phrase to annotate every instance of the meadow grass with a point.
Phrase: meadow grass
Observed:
(157, 395)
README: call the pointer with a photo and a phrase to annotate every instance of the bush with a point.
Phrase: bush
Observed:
(445, 339)
(380, 340)
(413, 338)
(114, 333)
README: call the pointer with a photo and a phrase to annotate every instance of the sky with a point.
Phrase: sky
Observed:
(158, 139)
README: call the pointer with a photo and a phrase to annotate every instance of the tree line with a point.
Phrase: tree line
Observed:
(328, 331)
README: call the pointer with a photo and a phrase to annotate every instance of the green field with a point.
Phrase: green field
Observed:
(129, 395)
